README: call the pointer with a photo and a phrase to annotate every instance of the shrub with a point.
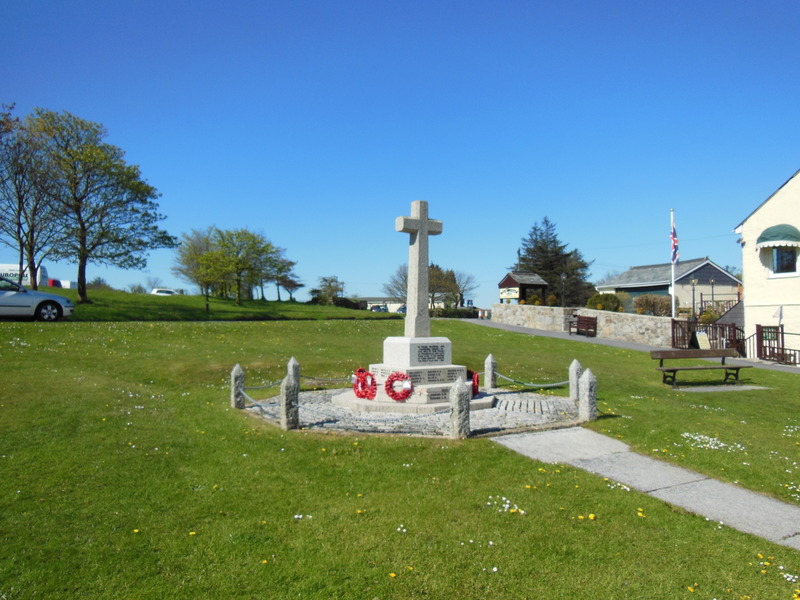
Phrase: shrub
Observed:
(653, 304)
(626, 302)
(454, 313)
(98, 283)
(346, 303)
(604, 302)
(710, 315)
(552, 300)
(137, 288)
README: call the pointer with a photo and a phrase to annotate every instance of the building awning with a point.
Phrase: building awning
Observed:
(778, 235)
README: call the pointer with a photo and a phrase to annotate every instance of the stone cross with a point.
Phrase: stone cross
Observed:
(418, 321)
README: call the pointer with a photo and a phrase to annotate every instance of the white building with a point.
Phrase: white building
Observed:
(770, 237)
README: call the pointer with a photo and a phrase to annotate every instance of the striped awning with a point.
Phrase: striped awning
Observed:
(779, 235)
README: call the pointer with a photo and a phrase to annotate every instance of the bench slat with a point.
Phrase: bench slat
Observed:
(693, 353)
(699, 368)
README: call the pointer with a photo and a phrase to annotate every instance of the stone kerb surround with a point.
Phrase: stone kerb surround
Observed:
(627, 327)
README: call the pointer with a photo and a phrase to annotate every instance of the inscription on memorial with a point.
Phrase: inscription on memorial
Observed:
(453, 374)
(435, 376)
(437, 395)
(433, 353)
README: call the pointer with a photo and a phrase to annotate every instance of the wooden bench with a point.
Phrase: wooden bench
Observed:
(669, 374)
(585, 325)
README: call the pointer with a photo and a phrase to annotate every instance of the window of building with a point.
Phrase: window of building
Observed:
(784, 260)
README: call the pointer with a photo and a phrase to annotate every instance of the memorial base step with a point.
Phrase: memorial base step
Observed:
(348, 399)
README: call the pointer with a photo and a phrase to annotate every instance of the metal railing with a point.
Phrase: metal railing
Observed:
(720, 335)
(770, 343)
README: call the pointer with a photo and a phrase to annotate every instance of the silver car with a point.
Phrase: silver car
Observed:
(17, 301)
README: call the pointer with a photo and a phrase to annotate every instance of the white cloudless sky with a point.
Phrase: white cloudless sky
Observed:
(317, 123)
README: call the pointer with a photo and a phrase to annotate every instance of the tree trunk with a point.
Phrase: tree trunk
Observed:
(33, 271)
(82, 294)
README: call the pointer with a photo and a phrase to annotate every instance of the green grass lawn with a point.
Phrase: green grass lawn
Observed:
(126, 474)
(114, 305)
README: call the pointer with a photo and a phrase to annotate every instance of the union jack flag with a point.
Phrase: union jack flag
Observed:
(674, 237)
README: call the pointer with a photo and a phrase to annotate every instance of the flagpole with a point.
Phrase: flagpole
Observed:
(672, 256)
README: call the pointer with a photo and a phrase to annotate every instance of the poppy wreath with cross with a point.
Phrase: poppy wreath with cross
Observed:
(364, 384)
(405, 392)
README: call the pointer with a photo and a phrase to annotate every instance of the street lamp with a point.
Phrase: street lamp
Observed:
(563, 284)
(694, 283)
(711, 281)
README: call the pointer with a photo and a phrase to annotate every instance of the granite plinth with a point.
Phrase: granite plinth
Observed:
(428, 363)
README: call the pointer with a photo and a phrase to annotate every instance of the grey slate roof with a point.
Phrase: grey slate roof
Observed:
(653, 275)
(527, 278)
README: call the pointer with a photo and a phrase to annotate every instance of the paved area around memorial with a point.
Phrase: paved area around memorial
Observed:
(513, 411)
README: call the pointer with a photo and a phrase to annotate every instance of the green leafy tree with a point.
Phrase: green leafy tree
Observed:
(544, 254)
(193, 264)
(282, 272)
(291, 284)
(108, 210)
(248, 258)
(229, 262)
(329, 291)
(442, 286)
(29, 220)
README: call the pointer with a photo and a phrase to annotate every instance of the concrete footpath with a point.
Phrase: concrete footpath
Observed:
(729, 504)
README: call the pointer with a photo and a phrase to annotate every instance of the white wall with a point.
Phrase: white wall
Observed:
(765, 292)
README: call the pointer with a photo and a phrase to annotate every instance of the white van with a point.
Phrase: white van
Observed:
(12, 272)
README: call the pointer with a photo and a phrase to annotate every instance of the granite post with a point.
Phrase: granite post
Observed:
(237, 387)
(459, 396)
(489, 373)
(587, 402)
(290, 396)
(575, 371)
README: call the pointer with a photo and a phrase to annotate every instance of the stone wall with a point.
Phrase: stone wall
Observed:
(640, 329)
(549, 318)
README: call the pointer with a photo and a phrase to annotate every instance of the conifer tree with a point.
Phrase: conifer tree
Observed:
(564, 270)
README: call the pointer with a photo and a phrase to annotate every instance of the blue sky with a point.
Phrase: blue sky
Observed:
(317, 123)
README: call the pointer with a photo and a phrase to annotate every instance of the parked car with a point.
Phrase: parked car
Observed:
(18, 301)
(379, 308)
(163, 292)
